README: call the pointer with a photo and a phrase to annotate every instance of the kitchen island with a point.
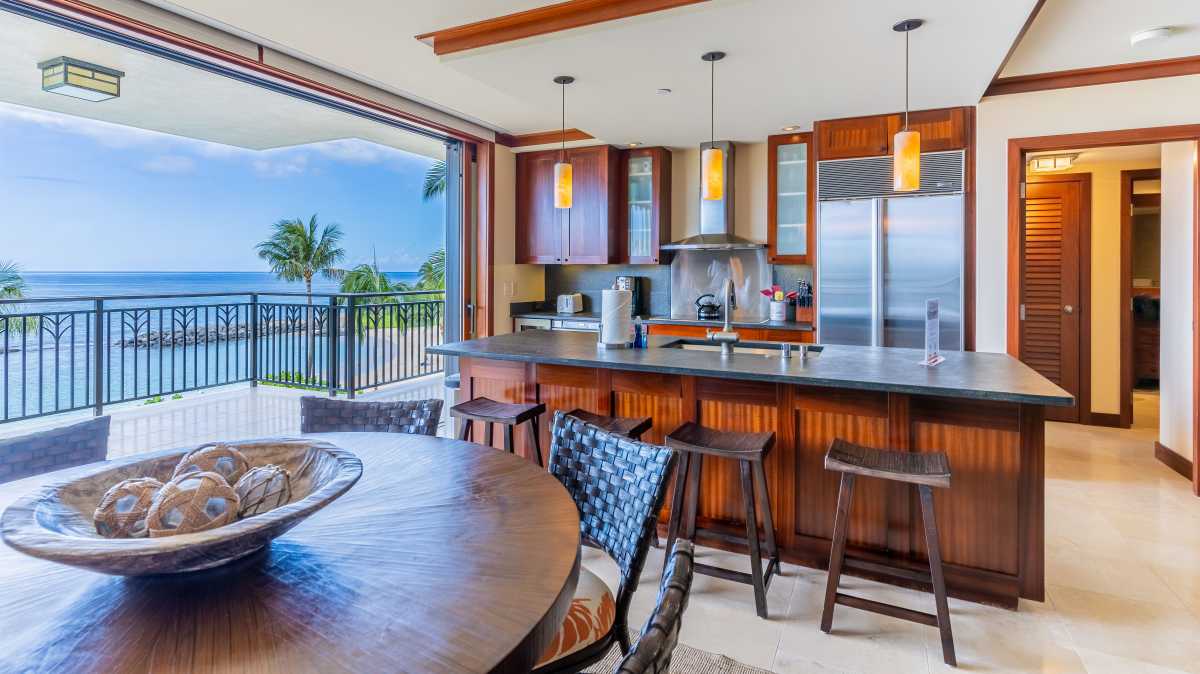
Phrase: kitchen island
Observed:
(985, 411)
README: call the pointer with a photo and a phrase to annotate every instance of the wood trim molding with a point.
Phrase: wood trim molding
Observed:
(1195, 315)
(111, 21)
(1127, 356)
(542, 138)
(1102, 419)
(540, 21)
(1172, 460)
(1084, 77)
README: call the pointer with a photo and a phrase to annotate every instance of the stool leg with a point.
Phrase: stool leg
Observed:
(465, 433)
(841, 523)
(535, 427)
(487, 433)
(768, 521)
(694, 467)
(756, 571)
(508, 439)
(676, 516)
(935, 571)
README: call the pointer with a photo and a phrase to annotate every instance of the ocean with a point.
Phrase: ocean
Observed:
(90, 284)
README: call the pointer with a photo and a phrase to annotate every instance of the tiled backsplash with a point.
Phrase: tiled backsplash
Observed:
(590, 279)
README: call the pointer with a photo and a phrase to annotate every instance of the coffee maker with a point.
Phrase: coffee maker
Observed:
(634, 284)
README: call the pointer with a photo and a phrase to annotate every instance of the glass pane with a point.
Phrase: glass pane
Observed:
(791, 234)
(641, 200)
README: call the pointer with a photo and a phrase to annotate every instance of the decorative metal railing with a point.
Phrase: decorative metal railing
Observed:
(70, 353)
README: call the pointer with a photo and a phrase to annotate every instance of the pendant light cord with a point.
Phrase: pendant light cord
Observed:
(906, 78)
(562, 152)
(712, 102)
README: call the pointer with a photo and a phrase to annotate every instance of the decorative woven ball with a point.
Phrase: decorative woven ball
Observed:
(263, 488)
(221, 459)
(122, 512)
(192, 502)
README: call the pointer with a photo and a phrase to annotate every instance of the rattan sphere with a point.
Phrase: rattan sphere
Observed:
(192, 502)
(263, 488)
(219, 458)
(122, 512)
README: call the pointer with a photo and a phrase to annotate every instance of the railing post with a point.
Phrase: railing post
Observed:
(351, 344)
(331, 336)
(253, 339)
(98, 384)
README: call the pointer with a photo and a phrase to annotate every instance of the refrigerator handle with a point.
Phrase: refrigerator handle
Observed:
(877, 243)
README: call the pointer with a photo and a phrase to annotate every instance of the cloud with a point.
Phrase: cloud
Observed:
(50, 179)
(351, 150)
(170, 164)
(280, 166)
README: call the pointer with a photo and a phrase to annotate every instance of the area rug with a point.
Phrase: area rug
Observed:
(686, 660)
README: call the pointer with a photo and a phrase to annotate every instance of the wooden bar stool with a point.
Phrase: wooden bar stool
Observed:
(509, 415)
(630, 427)
(925, 471)
(694, 442)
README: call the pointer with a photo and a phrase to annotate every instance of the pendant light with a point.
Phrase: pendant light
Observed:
(562, 168)
(712, 160)
(906, 145)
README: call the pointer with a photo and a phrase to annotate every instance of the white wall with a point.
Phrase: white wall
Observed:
(512, 282)
(1175, 365)
(1126, 105)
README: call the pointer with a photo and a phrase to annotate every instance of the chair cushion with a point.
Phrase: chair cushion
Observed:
(591, 616)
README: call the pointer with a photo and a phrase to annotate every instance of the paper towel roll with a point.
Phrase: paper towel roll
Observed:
(616, 317)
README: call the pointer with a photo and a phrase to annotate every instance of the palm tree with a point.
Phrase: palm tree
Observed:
(296, 252)
(12, 286)
(435, 180)
(433, 271)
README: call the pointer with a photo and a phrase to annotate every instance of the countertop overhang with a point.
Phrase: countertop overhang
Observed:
(967, 375)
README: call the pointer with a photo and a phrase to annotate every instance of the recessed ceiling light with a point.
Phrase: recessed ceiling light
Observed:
(663, 92)
(635, 143)
(790, 129)
(1149, 34)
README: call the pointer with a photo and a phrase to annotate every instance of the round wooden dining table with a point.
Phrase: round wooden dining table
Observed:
(447, 556)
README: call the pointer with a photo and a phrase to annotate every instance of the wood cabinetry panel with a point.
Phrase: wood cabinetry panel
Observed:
(982, 498)
(667, 413)
(720, 487)
(940, 129)
(539, 223)
(589, 232)
(747, 334)
(852, 137)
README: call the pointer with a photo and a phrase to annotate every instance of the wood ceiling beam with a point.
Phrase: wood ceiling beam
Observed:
(1083, 77)
(541, 138)
(541, 21)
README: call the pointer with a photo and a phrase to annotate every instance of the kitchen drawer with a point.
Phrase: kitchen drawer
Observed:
(747, 334)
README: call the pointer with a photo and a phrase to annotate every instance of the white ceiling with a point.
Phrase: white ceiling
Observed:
(161, 95)
(1119, 154)
(1071, 34)
(790, 61)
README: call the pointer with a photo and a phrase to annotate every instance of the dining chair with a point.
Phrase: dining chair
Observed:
(656, 644)
(57, 448)
(327, 415)
(618, 484)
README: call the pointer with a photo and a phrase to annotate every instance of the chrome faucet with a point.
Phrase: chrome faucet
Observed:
(726, 336)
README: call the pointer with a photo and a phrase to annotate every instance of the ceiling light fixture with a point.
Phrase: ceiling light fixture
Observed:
(1048, 163)
(562, 169)
(663, 92)
(906, 145)
(790, 129)
(1149, 34)
(712, 159)
(80, 79)
(636, 143)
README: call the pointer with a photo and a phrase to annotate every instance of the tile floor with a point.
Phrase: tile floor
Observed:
(1123, 560)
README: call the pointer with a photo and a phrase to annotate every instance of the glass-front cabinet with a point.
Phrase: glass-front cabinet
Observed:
(647, 204)
(790, 177)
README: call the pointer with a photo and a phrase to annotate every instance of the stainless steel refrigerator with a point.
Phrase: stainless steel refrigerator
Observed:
(882, 254)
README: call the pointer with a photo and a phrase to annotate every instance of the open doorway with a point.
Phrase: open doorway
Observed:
(1141, 237)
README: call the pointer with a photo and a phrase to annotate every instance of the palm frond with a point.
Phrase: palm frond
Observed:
(435, 180)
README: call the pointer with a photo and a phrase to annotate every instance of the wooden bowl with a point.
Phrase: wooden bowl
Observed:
(55, 522)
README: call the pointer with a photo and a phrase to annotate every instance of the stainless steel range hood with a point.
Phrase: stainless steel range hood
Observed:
(716, 217)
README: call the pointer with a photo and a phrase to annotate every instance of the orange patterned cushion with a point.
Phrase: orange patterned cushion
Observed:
(590, 617)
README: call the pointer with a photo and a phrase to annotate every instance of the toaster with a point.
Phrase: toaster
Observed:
(570, 304)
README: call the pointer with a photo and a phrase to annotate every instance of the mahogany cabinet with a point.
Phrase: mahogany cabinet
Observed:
(645, 204)
(747, 334)
(791, 205)
(941, 129)
(586, 233)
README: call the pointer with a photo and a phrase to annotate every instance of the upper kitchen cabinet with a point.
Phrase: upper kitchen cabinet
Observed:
(586, 233)
(646, 204)
(942, 129)
(791, 174)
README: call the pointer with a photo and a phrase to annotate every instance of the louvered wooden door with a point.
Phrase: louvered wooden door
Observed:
(1050, 285)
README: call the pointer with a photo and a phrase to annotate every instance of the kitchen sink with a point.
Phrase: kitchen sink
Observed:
(768, 349)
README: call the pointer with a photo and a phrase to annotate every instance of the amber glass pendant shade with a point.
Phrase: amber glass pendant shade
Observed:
(906, 161)
(562, 185)
(712, 174)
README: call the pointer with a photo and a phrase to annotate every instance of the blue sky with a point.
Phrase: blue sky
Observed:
(82, 195)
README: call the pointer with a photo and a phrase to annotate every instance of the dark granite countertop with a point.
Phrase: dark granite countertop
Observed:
(978, 376)
(667, 320)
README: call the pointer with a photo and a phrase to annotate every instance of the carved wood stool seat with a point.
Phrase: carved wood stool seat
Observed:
(694, 442)
(630, 427)
(508, 415)
(922, 470)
